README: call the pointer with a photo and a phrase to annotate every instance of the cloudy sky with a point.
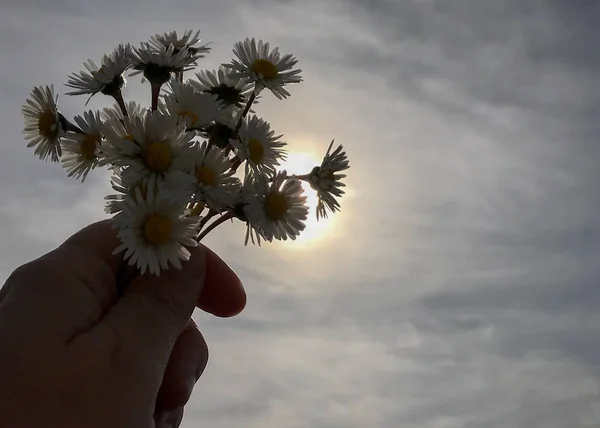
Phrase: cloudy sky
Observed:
(458, 287)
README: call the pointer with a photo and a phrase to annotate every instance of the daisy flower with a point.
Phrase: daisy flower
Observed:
(81, 148)
(157, 65)
(216, 184)
(154, 231)
(274, 210)
(326, 180)
(230, 90)
(221, 132)
(106, 79)
(127, 188)
(264, 67)
(188, 40)
(114, 112)
(194, 109)
(259, 147)
(153, 145)
(44, 125)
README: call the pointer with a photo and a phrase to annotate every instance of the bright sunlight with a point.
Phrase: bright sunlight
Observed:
(303, 163)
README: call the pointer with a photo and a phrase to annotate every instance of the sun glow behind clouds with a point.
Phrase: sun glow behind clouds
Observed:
(300, 164)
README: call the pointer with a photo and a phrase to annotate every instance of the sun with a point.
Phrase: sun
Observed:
(301, 163)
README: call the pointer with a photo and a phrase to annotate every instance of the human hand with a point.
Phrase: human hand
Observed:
(86, 342)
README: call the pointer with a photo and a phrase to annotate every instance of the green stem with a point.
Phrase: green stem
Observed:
(214, 224)
(210, 214)
(118, 96)
(155, 95)
(244, 113)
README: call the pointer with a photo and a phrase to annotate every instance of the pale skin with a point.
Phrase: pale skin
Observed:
(85, 341)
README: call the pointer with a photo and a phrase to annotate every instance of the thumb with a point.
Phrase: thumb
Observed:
(146, 321)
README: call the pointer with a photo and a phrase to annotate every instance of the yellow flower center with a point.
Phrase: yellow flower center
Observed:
(256, 151)
(157, 156)
(88, 145)
(184, 114)
(276, 205)
(266, 68)
(47, 125)
(158, 229)
(205, 175)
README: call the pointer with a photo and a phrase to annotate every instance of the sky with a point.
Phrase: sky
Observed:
(457, 288)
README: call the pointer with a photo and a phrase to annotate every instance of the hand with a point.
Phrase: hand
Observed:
(87, 342)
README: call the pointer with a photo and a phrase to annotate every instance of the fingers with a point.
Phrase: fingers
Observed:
(186, 363)
(77, 283)
(223, 294)
(170, 419)
(146, 321)
(64, 291)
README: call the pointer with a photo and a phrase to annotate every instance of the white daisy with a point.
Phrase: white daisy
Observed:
(126, 188)
(221, 131)
(189, 40)
(216, 184)
(259, 147)
(114, 112)
(81, 148)
(107, 79)
(195, 109)
(230, 90)
(153, 145)
(274, 210)
(44, 125)
(265, 68)
(154, 232)
(326, 180)
(157, 65)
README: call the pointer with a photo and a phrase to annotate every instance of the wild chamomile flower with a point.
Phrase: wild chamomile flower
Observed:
(215, 183)
(154, 145)
(157, 65)
(154, 231)
(44, 125)
(80, 149)
(189, 40)
(193, 108)
(230, 90)
(275, 210)
(326, 180)
(264, 67)
(106, 79)
(259, 146)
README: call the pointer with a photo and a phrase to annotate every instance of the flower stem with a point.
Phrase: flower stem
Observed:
(211, 213)
(118, 96)
(68, 126)
(155, 95)
(235, 164)
(238, 125)
(214, 224)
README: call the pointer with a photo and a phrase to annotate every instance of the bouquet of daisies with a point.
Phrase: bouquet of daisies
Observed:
(198, 157)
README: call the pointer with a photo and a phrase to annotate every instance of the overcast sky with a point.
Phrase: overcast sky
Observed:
(458, 287)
